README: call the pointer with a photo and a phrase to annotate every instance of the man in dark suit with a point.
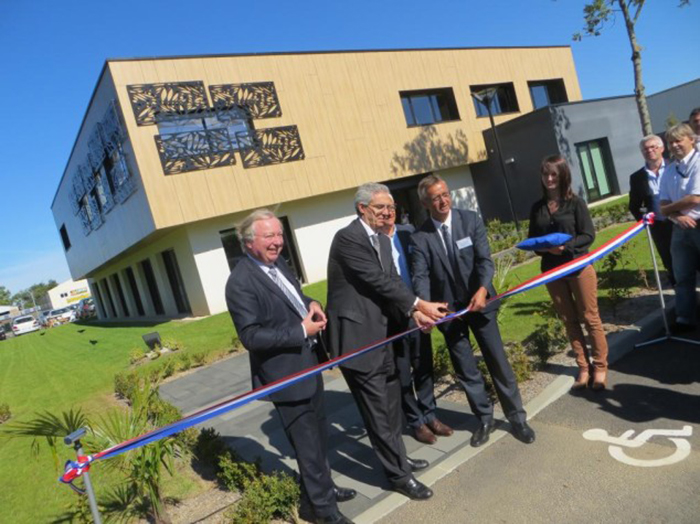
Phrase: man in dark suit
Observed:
(452, 263)
(644, 197)
(364, 293)
(414, 353)
(279, 327)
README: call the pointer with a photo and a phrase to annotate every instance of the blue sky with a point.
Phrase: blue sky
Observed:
(51, 54)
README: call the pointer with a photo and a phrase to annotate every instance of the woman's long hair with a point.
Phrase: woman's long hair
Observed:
(558, 165)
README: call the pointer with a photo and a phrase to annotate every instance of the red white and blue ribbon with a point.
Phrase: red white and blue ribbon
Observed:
(73, 469)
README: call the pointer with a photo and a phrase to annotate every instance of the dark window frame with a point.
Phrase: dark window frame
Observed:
(449, 112)
(554, 86)
(608, 166)
(152, 286)
(131, 279)
(64, 237)
(120, 294)
(507, 89)
(177, 284)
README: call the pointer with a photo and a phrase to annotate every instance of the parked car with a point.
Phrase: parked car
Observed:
(3, 336)
(25, 324)
(60, 316)
(86, 309)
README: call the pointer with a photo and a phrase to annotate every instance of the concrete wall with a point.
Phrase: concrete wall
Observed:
(678, 102)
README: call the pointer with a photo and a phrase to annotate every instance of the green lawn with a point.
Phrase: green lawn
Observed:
(74, 365)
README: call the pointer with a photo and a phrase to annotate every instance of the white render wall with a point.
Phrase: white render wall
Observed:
(74, 291)
(202, 259)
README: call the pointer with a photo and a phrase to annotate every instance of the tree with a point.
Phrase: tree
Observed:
(5, 296)
(596, 15)
(38, 291)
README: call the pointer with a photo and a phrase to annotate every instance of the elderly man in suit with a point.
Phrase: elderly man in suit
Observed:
(414, 353)
(452, 263)
(365, 296)
(644, 197)
(279, 326)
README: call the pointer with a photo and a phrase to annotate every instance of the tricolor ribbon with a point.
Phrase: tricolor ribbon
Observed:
(75, 469)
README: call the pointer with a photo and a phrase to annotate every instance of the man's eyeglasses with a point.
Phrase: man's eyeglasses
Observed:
(391, 208)
(270, 236)
(441, 196)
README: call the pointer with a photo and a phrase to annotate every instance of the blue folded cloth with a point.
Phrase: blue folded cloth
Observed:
(544, 242)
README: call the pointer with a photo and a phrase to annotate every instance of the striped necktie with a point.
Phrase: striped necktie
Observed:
(296, 302)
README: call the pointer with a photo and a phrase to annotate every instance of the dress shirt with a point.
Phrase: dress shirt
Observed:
(438, 225)
(266, 269)
(654, 181)
(682, 178)
(400, 259)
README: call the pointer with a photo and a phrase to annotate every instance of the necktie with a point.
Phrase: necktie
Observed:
(298, 305)
(449, 246)
(375, 244)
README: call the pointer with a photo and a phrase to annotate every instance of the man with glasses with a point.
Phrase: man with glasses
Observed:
(366, 298)
(644, 197)
(280, 326)
(451, 262)
(680, 202)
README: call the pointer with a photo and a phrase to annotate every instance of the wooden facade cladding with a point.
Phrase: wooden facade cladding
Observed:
(347, 111)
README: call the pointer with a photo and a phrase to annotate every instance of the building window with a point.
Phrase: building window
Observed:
(108, 294)
(547, 92)
(120, 294)
(503, 102)
(131, 279)
(236, 121)
(147, 270)
(596, 168)
(429, 106)
(177, 286)
(290, 254)
(64, 237)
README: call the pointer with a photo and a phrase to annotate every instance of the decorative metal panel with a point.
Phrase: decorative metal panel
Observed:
(96, 220)
(259, 98)
(124, 184)
(195, 150)
(84, 219)
(77, 190)
(73, 199)
(104, 193)
(86, 174)
(274, 145)
(111, 128)
(96, 149)
(147, 100)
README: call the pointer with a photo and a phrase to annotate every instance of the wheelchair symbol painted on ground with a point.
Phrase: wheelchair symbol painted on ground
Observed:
(618, 445)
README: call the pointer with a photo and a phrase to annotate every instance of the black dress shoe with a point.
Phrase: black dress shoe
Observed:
(344, 494)
(523, 432)
(482, 433)
(334, 518)
(417, 464)
(414, 490)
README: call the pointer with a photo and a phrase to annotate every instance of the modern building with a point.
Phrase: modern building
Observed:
(68, 293)
(172, 152)
(599, 138)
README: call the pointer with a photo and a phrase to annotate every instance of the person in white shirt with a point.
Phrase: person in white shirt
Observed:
(680, 201)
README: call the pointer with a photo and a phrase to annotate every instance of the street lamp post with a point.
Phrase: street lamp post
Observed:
(485, 97)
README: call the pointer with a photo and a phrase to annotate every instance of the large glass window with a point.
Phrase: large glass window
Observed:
(131, 279)
(177, 286)
(429, 106)
(504, 100)
(235, 120)
(120, 294)
(596, 168)
(547, 92)
(149, 275)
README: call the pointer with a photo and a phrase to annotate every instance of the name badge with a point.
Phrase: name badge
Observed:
(464, 242)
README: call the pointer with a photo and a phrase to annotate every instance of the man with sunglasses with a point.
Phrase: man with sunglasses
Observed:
(366, 298)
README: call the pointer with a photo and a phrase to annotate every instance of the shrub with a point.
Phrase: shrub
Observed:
(209, 447)
(548, 339)
(5, 413)
(125, 384)
(184, 361)
(442, 364)
(236, 474)
(613, 276)
(267, 497)
(519, 361)
(173, 344)
(199, 359)
(136, 355)
(169, 367)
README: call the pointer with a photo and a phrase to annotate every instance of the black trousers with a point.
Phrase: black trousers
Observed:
(378, 397)
(488, 336)
(305, 424)
(661, 232)
(414, 362)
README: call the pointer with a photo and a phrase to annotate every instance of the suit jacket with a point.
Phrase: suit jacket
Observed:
(269, 327)
(363, 293)
(640, 193)
(433, 277)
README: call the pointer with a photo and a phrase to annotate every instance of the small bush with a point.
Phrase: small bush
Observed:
(442, 363)
(125, 384)
(209, 447)
(5, 413)
(136, 355)
(184, 361)
(169, 367)
(267, 497)
(173, 344)
(199, 359)
(519, 361)
(236, 474)
(548, 339)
